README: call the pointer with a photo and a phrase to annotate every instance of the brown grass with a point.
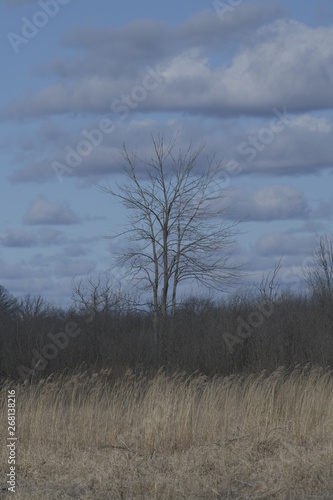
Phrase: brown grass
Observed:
(174, 437)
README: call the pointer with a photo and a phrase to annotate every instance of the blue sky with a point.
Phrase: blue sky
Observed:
(214, 71)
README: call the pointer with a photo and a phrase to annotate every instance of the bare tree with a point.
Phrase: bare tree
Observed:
(33, 307)
(97, 297)
(319, 277)
(176, 230)
(269, 287)
(8, 304)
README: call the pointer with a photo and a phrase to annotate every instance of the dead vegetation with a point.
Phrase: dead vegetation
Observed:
(169, 437)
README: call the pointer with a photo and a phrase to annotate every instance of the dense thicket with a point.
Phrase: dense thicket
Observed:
(245, 333)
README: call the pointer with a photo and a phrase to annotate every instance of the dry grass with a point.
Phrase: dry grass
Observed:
(174, 437)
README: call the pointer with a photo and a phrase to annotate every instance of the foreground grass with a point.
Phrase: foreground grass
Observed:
(173, 437)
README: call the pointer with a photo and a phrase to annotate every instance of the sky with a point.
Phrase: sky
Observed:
(252, 81)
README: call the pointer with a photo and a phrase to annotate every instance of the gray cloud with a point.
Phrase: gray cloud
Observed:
(280, 202)
(38, 171)
(103, 160)
(35, 276)
(143, 42)
(17, 238)
(44, 237)
(276, 202)
(69, 267)
(74, 250)
(19, 270)
(283, 243)
(302, 147)
(42, 211)
(283, 63)
(49, 236)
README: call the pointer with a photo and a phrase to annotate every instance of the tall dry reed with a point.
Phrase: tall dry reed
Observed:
(168, 415)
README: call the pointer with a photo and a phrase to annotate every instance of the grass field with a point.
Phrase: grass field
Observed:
(173, 437)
